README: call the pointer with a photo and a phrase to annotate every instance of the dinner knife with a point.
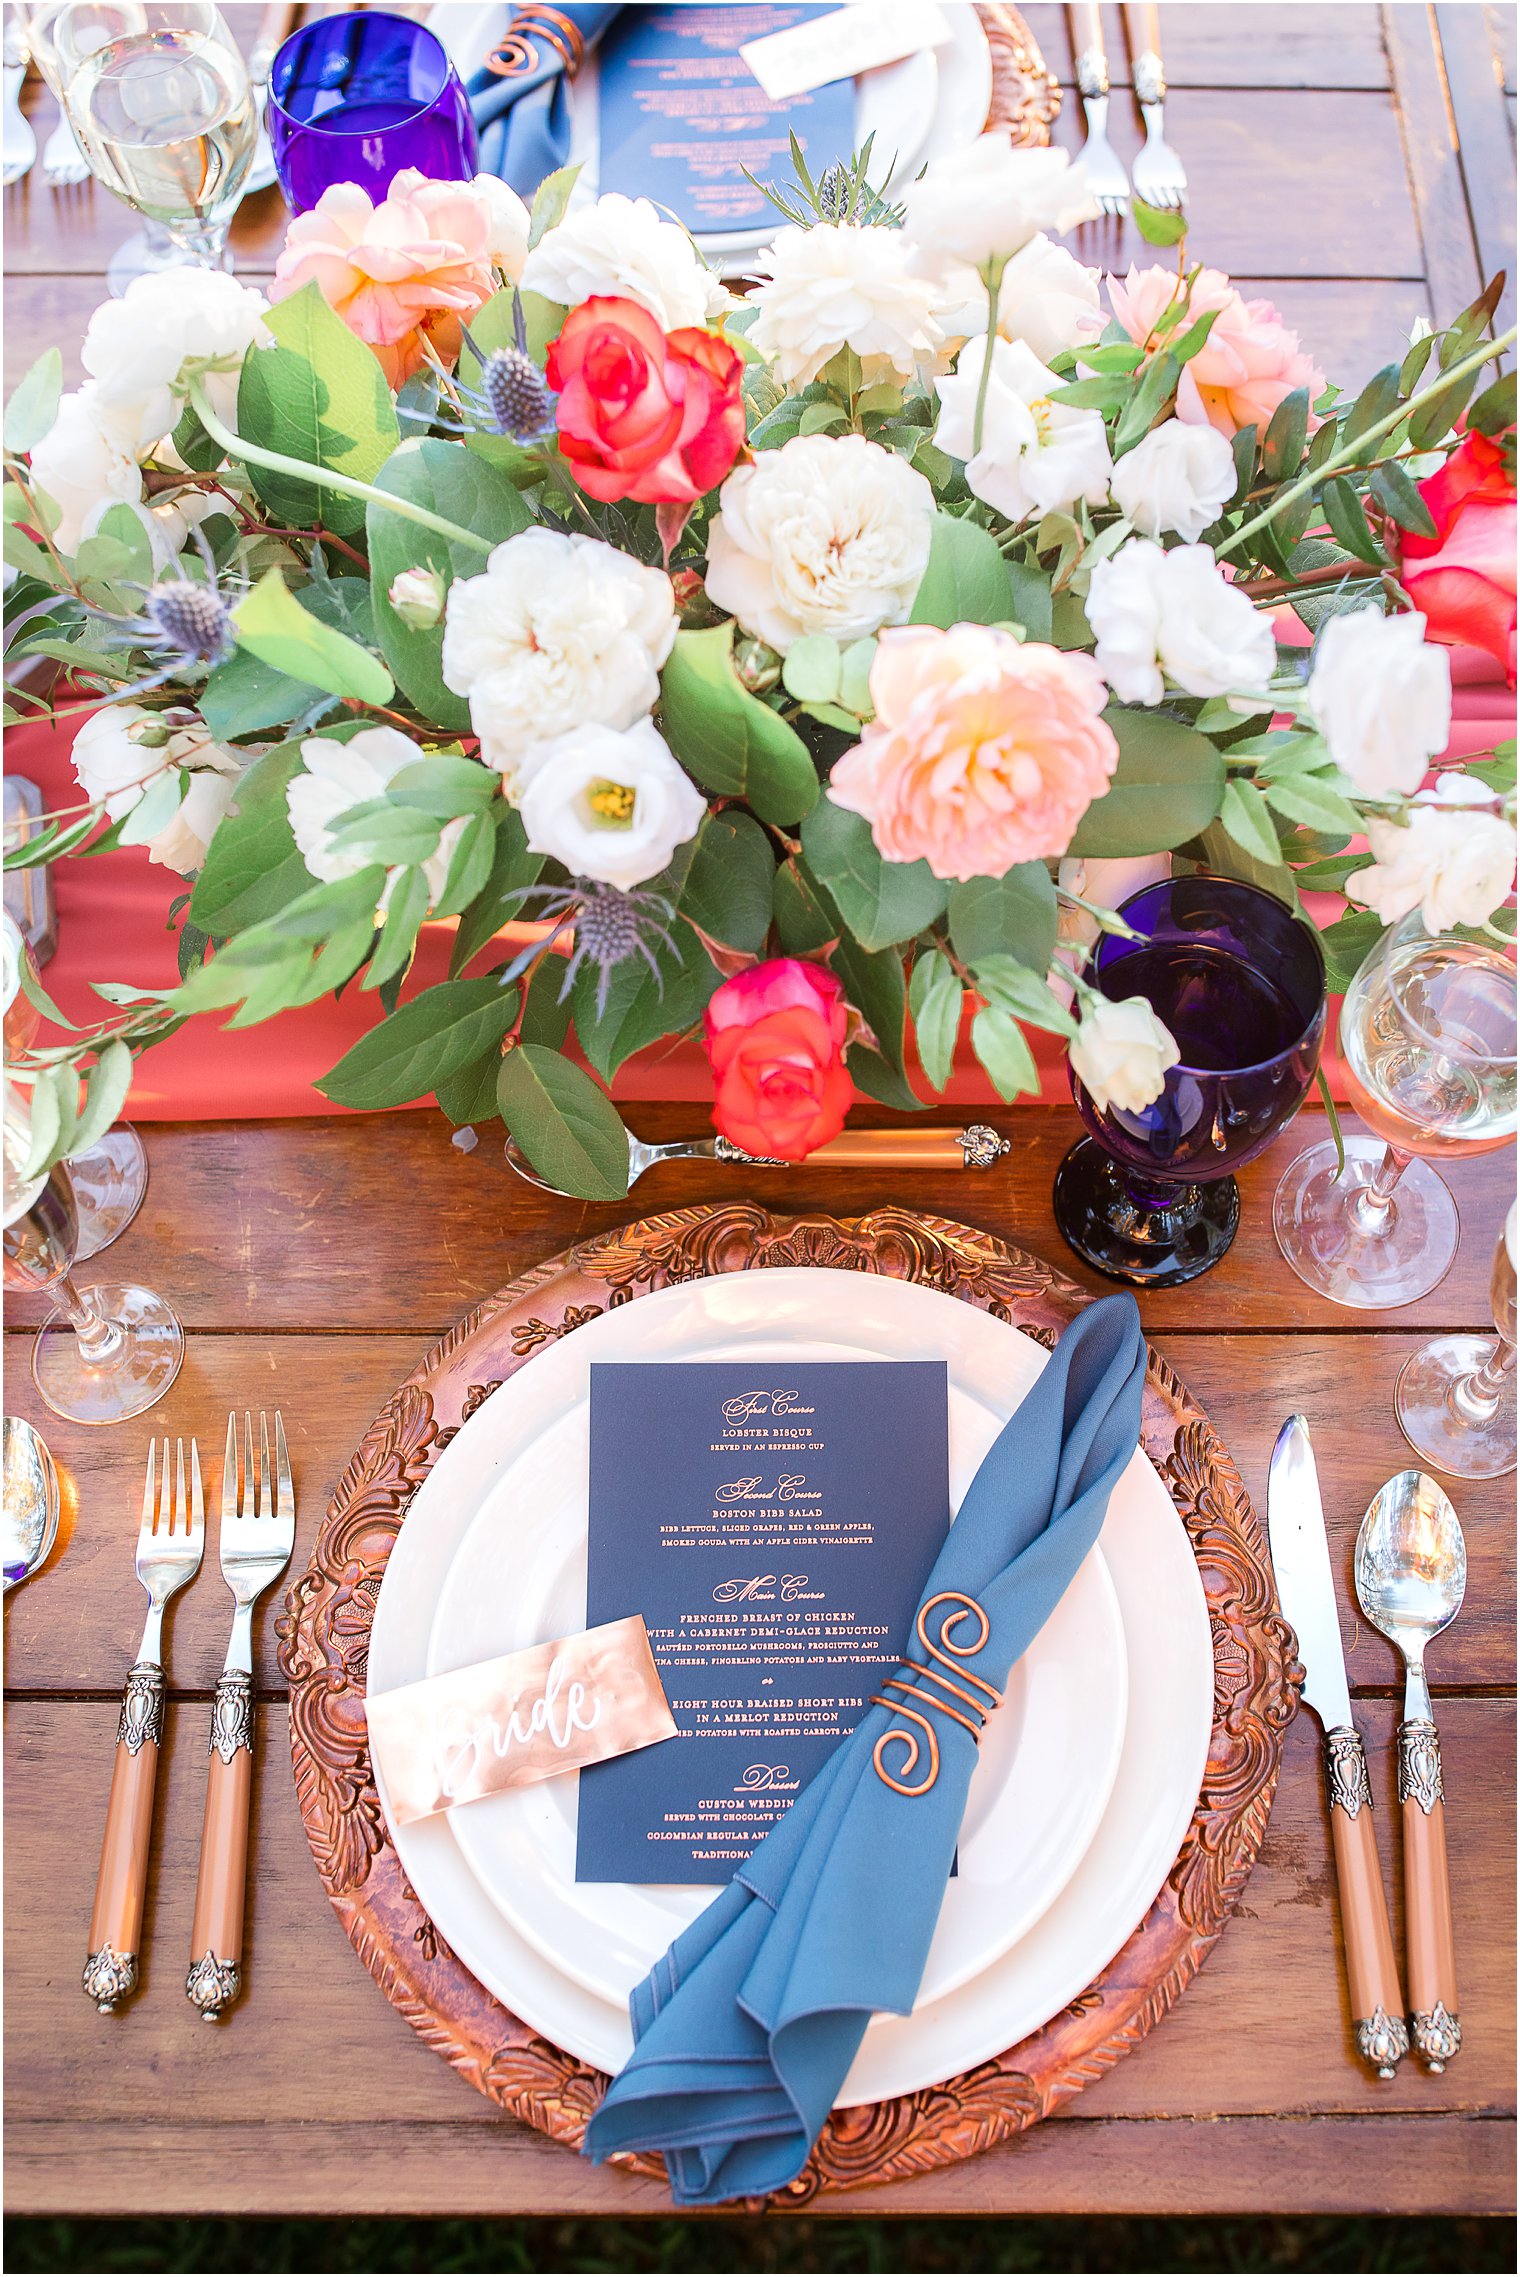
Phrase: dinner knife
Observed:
(1301, 1560)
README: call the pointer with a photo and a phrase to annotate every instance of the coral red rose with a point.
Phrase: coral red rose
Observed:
(645, 414)
(1463, 580)
(775, 1037)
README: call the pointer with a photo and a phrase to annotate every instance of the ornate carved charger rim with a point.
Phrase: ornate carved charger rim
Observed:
(324, 1640)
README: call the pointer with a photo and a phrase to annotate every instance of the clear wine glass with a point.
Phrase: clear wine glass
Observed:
(107, 1351)
(160, 98)
(1428, 1043)
(1456, 1399)
(148, 249)
(109, 1178)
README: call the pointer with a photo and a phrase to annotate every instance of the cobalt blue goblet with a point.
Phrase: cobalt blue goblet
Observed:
(1150, 1198)
(357, 99)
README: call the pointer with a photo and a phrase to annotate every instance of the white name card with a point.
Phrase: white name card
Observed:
(859, 37)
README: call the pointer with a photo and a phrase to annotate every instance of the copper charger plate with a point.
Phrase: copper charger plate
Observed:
(324, 1635)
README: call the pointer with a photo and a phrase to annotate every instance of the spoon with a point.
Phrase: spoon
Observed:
(977, 1147)
(31, 1501)
(1411, 1572)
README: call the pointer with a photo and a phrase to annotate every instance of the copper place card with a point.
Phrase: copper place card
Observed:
(529, 1715)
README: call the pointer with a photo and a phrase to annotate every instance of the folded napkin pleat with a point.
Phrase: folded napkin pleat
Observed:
(523, 120)
(745, 2029)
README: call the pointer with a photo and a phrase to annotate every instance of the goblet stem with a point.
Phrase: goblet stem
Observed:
(1476, 1397)
(204, 241)
(1372, 1208)
(98, 1338)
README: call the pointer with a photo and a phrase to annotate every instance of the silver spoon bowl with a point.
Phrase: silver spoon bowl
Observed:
(1411, 1573)
(31, 1501)
(642, 1156)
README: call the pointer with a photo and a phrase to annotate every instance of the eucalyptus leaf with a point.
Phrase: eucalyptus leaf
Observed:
(32, 409)
(318, 395)
(499, 901)
(728, 740)
(1166, 788)
(273, 626)
(567, 1127)
(965, 580)
(935, 998)
(881, 902)
(1003, 1050)
(1014, 915)
(253, 867)
(423, 1042)
(729, 883)
(465, 490)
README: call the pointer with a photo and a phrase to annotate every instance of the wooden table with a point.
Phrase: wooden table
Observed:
(312, 1264)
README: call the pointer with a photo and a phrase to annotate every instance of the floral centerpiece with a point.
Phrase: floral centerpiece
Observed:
(810, 669)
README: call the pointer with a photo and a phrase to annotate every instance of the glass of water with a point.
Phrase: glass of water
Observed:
(160, 98)
(1456, 1398)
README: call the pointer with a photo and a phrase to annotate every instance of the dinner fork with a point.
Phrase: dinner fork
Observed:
(1158, 172)
(18, 144)
(258, 1534)
(63, 162)
(169, 1545)
(1106, 178)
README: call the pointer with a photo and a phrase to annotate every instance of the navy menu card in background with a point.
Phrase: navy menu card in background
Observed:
(681, 115)
(774, 1525)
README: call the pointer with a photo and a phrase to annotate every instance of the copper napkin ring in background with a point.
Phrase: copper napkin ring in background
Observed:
(980, 1702)
(514, 53)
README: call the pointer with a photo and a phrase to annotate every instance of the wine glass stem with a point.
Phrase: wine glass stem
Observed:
(1372, 1208)
(1476, 1397)
(204, 241)
(98, 1337)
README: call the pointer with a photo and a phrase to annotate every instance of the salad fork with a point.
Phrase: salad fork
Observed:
(258, 1534)
(1106, 177)
(63, 162)
(1158, 171)
(169, 1545)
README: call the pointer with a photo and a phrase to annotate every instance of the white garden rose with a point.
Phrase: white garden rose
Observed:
(138, 347)
(1048, 299)
(1176, 478)
(1036, 456)
(122, 748)
(509, 224)
(1381, 696)
(841, 286)
(1121, 1052)
(986, 200)
(338, 776)
(830, 534)
(84, 467)
(622, 246)
(610, 806)
(1174, 613)
(559, 631)
(184, 842)
(1453, 865)
(417, 596)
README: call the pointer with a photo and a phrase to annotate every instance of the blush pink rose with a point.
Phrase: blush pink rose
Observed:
(775, 1038)
(408, 271)
(985, 751)
(1248, 363)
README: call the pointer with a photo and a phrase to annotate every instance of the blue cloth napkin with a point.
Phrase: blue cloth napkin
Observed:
(744, 2031)
(524, 122)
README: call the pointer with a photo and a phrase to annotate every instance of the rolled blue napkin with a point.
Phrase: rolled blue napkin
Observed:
(745, 2029)
(524, 121)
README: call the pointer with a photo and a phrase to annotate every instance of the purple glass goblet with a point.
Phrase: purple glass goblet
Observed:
(1150, 1198)
(358, 98)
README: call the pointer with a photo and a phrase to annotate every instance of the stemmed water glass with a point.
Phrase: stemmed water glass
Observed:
(1239, 981)
(1456, 1398)
(159, 95)
(356, 98)
(1428, 1041)
(106, 1352)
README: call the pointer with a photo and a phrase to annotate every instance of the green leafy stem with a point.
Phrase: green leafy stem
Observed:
(328, 478)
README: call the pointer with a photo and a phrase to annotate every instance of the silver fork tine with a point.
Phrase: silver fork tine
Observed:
(282, 1470)
(266, 1488)
(248, 1505)
(150, 1503)
(229, 1471)
(197, 1502)
(179, 1515)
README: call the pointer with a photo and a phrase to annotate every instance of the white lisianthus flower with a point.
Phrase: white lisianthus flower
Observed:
(1178, 478)
(1174, 613)
(122, 748)
(830, 534)
(84, 467)
(1455, 866)
(1121, 1052)
(841, 286)
(338, 776)
(559, 631)
(610, 806)
(624, 247)
(137, 348)
(509, 224)
(986, 200)
(1036, 456)
(1381, 697)
(1048, 299)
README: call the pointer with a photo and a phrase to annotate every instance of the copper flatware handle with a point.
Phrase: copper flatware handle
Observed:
(110, 1973)
(1430, 1949)
(1372, 1972)
(215, 1975)
(909, 1150)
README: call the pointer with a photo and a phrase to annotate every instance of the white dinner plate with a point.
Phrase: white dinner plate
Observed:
(1167, 1721)
(1032, 1809)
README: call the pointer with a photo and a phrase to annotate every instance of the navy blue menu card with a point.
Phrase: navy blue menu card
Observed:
(681, 115)
(773, 1524)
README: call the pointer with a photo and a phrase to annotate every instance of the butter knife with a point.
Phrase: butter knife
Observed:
(1301, 1561)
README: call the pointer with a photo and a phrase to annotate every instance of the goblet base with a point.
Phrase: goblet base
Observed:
(109, 1181)
(1483, 1447)
(1150, 1245)
(1314, 1216)
(124, 1381)
(149, 250)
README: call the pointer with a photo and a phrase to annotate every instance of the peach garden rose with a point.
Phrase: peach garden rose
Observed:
(1249, 361)
(985, 751)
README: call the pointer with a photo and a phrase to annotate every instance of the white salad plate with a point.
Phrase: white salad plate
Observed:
(462, 1584)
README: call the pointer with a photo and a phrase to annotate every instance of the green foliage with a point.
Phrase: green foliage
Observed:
(1001, 1047)
(318, 395)
(453, 483)
(727, 893)
(640, 1008)
(881, 902)
(1013, 915)
(1159, 225)
(965, 580)
(31, 411)
(273, 626)
(1167, 787)
(499, 900)
(422, 1044)
(935, 997)
(569, 1129)
(728, 740)
(253, 867)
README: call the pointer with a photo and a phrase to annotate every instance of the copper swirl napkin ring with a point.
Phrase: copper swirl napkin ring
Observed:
(514, 53)
(949, 1654)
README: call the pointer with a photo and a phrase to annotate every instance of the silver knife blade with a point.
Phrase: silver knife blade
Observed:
(1305, 1583)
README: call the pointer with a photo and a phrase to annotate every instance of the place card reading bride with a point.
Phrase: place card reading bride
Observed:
(773, 1523)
